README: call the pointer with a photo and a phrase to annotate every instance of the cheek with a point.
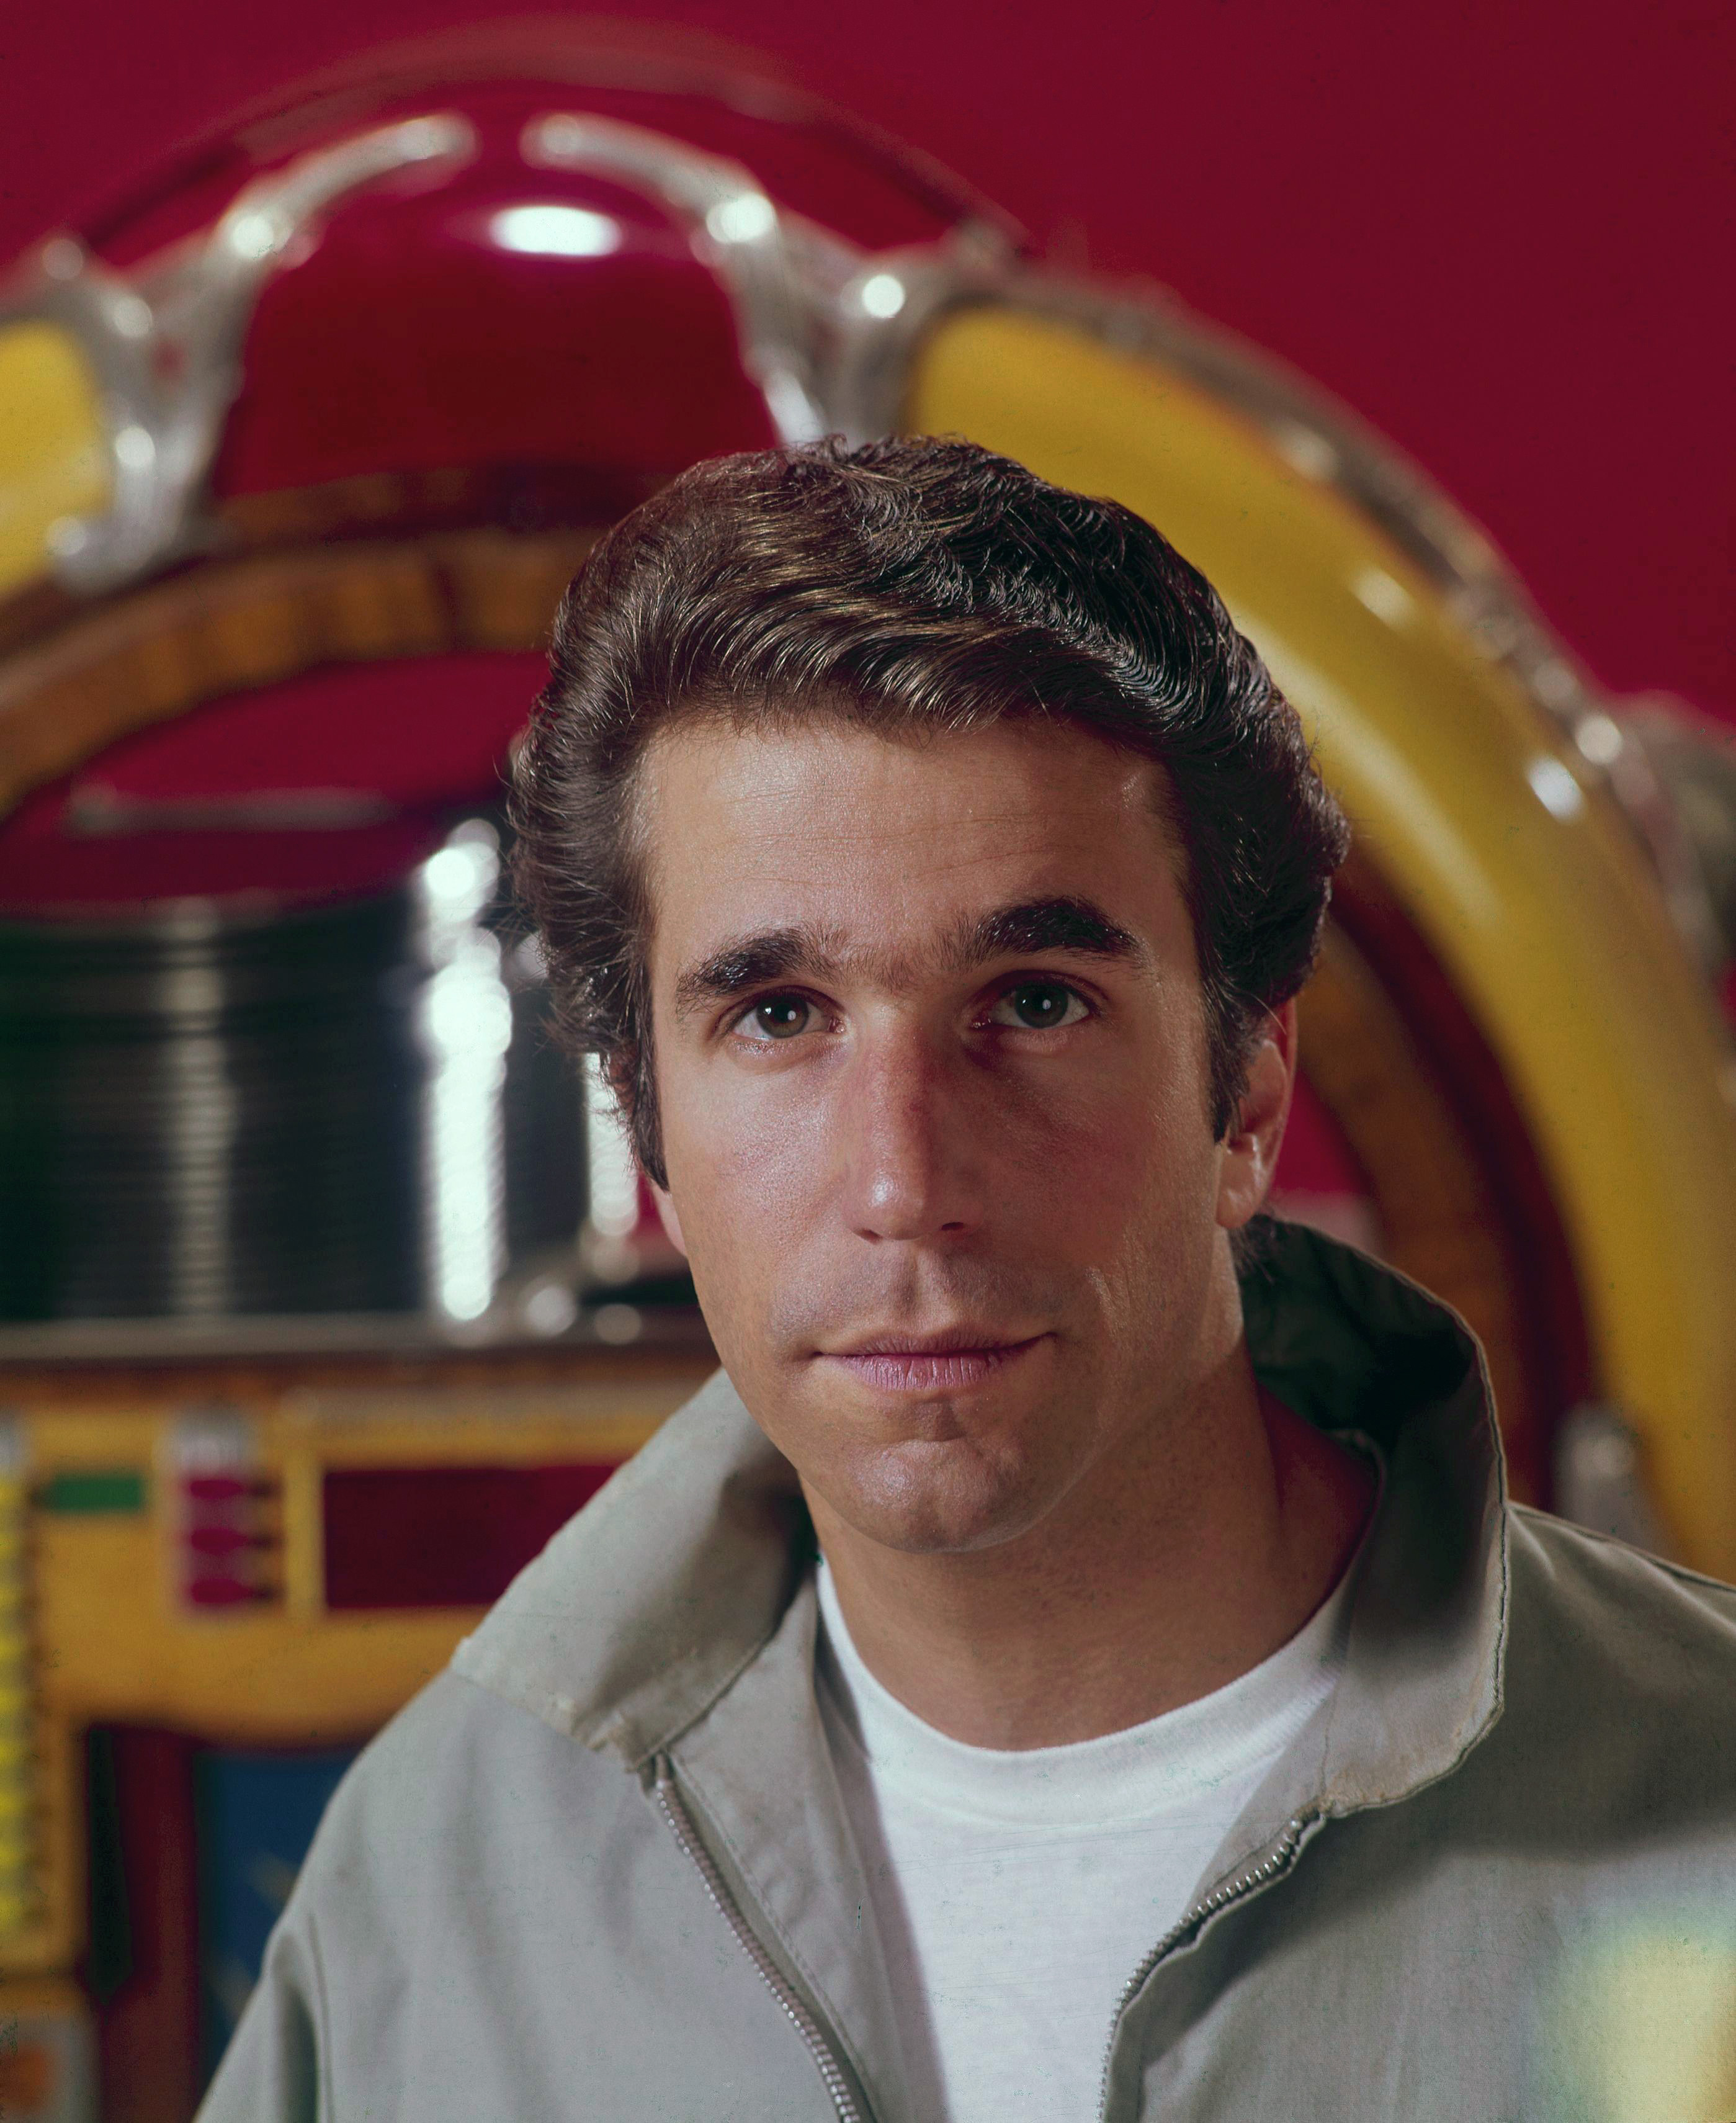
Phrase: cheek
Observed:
(745, 1167)
(1122, 1156)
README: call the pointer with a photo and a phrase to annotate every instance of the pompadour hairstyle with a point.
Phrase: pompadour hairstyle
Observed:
(909, 586)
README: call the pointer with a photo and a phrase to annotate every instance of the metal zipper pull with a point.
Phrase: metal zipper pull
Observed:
(833, 2075)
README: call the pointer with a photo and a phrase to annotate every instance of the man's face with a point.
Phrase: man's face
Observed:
(931, 1066)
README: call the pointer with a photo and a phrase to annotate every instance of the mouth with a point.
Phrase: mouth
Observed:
(953, 1361)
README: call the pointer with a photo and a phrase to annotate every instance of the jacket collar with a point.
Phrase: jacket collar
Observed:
(1354, 1347)
(645, 1609)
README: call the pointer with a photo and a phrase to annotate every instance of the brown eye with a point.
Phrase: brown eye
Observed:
(1039, 1006)
(778, 1016)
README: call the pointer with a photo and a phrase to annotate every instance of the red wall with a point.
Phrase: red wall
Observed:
(1495, 229)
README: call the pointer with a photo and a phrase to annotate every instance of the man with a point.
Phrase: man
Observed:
(1076, 1658)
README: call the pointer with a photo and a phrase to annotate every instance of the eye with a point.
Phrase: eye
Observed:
(1039, 1006)
(776, 1017)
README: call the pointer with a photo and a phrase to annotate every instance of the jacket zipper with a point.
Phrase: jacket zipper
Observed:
(1277, 1859)
(832, 2073)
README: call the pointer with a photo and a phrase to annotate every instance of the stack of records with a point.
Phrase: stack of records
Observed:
(211, 1110)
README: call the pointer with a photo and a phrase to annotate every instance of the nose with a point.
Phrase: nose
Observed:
(910, 1155)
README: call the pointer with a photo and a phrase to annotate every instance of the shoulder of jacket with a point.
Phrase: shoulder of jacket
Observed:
(1617, 1727)
(430, 1786)
(1608, 1569)
(1598, 1628)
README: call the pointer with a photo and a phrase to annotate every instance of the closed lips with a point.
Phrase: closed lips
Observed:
(930, 1365)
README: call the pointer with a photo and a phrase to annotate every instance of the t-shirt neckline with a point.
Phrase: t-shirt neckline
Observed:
(1168, 1761)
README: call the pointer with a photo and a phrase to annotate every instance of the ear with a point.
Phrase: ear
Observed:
(1248, 1155)
(667, 1216)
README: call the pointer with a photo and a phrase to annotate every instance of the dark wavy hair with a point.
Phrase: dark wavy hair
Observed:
(911, 585)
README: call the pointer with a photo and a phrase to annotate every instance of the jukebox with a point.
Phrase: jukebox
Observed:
(327, 1287)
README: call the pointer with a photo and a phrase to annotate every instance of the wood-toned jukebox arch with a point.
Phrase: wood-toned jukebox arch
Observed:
(257, 619)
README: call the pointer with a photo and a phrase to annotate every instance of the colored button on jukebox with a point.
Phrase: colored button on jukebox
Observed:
(225, 1514)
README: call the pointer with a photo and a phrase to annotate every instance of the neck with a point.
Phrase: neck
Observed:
(1175, 1566)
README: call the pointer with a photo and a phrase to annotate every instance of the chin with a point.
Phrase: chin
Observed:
(933, 1498)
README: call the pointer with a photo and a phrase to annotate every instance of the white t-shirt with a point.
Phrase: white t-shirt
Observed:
(1017, 1892)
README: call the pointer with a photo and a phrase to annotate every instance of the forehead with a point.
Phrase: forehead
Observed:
(893, 840)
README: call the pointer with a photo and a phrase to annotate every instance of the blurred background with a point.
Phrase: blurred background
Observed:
(329, 340)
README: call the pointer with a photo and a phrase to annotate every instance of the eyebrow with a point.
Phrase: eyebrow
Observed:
(1078, 926)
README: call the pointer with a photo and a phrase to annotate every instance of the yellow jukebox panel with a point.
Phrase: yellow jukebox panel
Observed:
(53, 447)
(284, 1564)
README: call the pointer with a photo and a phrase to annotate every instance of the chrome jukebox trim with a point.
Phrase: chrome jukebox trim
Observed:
(829, 335)
(1319, 439)
(165, 344)
(887, 309)
(737, 231)
(814, 312)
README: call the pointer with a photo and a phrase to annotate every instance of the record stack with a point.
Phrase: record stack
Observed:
(210, 1111)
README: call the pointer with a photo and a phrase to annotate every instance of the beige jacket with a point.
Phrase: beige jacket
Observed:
(600, 1868)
